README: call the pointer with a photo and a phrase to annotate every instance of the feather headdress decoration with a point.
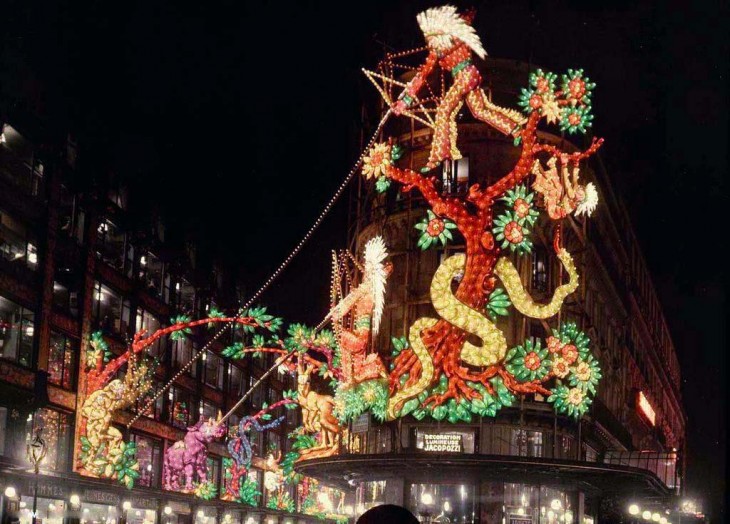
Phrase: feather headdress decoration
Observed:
(444, 24)
(590, 201)
(375, 255)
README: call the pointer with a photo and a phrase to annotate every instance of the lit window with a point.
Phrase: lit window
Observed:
(17, 328)
(61, 360)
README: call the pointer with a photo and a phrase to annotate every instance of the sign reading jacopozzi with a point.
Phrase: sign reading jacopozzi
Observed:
(443, 442)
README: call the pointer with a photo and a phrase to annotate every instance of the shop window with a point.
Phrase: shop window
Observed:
(57, 432)
(98, 513)
(147, 321)
(111, 244)
(17, 328)
(140, 516)
(182, 353)
(62, 351)
(17, 243)
(110, 313)
(214, 370)
(235, 380)
(180, 404)
(457, 502)
(149, 454)
(539, 269)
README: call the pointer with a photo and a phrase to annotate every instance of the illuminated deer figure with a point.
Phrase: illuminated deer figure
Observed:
(317, 416)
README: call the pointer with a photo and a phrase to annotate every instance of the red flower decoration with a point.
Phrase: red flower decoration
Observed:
(532, 361)
(521, 207)
(435, 227)
(513, 232)
(554, 344)
(535, 101)
(570, 353)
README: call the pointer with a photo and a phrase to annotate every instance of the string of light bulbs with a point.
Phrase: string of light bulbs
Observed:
(353, 171)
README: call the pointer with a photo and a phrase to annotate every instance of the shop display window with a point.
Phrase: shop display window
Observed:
(17, 327)
(57, 432)
(98, 513)
(437, 502)
(50, 511)
(149, 455)
(179, 411)
(141, 516)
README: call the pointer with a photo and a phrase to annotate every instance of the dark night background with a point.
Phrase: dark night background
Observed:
(244, 117)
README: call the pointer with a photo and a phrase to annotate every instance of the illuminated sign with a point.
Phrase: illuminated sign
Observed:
(645, 409)
(443, 442)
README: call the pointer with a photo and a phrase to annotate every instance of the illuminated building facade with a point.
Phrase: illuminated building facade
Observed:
(527, 464)
(75, 259)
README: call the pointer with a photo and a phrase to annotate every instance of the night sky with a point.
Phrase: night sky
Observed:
(244, 118)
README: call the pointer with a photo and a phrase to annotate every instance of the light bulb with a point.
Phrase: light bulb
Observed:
(634, 509)
(10, 492)
(74, 500)
(168, 510)
(427, 499)
(127, 505)
(646, 515)
(655, 517)
(555, 504)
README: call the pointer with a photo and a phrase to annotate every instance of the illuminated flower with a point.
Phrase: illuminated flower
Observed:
(569, 353)
(540, 92)
(569, 334)
(509, 229)
(572, 401)
(435, 230)
(575, 396)
(375, 164)
(554, 344)
(586, 374)
(576, 88)
(521, 202)
(576, 119)
(528, 362)
(560, 367)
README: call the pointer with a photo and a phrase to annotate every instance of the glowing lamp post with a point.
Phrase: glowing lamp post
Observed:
(36, 450)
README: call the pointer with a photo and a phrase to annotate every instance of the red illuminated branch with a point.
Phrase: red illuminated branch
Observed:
(451, 208)
(566, 158)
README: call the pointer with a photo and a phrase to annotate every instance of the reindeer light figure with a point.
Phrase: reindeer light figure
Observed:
(317, 416)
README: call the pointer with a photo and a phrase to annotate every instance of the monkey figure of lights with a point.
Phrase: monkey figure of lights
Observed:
(452, 42)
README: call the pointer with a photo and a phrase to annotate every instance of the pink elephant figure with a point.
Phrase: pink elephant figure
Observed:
(188, 456)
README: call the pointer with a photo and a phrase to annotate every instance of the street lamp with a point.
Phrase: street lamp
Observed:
(634, 509)
(36, 450)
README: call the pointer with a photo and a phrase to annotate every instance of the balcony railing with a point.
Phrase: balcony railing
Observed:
(663, 465)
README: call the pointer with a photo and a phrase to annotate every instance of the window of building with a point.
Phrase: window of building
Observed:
(110, 313)
(111, 244)
(214, 370)
(182, 353)
(539, 269)
(71, 217)
(214, 470)
(181, 402)
(152, 273)
(208, 410)
(62, 351)
(235, 380)
(19, 163)
(154, 411)
(147, 321)
(185, 296)
(17, 327)
(431, 499)
(149, 453)
(526, 443)
(17, 243)
(257, 396)
(65, 293)
(57, 432)
(455, 176)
